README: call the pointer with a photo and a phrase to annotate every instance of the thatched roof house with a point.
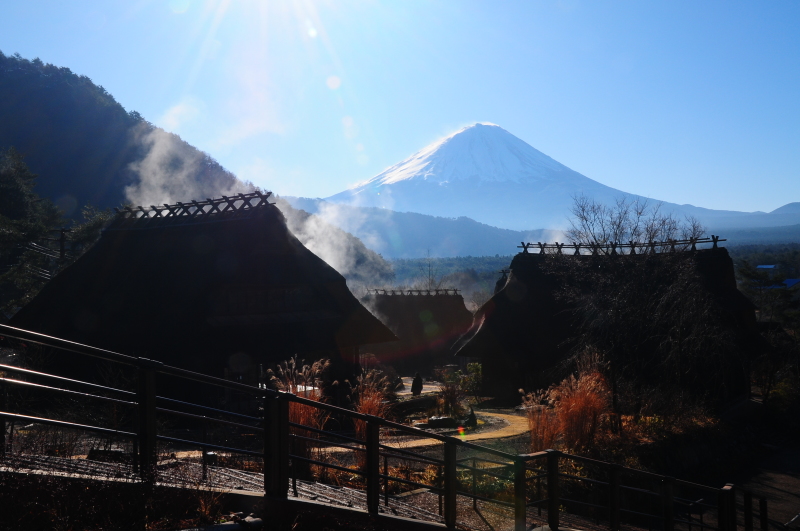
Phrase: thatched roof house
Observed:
(216, 285)
(644, 310)
(426, 322)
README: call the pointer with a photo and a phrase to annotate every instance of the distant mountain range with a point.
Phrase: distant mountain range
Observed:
(412, 235)
(486, 173)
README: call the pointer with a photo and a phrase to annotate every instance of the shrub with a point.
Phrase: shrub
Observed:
(580, 404)
(370, 398)
(569, 412)
(450, 395)
(294, 377)
(542, 421)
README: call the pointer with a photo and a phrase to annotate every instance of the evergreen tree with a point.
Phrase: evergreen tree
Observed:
(24, 218)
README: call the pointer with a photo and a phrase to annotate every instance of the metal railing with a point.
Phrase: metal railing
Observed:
(548, 487)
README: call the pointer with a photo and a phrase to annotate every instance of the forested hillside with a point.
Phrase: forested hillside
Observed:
(84, 146)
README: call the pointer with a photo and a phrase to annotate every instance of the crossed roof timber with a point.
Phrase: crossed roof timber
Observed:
(197, 209)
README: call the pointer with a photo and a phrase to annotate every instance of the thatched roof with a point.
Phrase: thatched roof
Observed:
(426, 322)
(193, 282)
(532, 325)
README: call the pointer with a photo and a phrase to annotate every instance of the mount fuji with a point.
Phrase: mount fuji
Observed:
(489, 175)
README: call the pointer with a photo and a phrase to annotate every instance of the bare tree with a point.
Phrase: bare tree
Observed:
(430, 278)
(597, 225)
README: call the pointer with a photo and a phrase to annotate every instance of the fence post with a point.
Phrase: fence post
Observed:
(748, 511)
(553, 503)
(203, 450)
(474, 486)
(668, 503)
(762, 513)
(731, 507)
(3, 406)
(386, 481)
(450, 486)
(614, 504)
(146, 397)
(722, 510)
(373, 467)
(726, 508)
(276, 446)
(520, 498)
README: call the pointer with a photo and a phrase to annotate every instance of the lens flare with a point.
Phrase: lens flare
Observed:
(333, 82)
(179, 6)
(461, 433)
(311, 30)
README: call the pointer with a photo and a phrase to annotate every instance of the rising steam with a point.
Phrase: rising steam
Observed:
(171, 170)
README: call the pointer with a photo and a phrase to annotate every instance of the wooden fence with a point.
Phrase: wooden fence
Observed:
(418, 292)
(611, 248)
(547, 487)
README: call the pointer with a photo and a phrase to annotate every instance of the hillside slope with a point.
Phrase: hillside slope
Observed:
(86, 148)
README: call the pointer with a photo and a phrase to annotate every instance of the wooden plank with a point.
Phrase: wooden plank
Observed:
(146, 398)
(520, 495)
(553, 503)
(450, 485)
(373, 467)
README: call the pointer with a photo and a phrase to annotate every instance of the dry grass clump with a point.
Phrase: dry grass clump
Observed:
(542, 421)
(570, 413)
(580, 405)
(370, 395)
(295, 377)
(450, 396)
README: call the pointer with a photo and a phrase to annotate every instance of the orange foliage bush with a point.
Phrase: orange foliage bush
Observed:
(543, 425)
(303, 380)
(369, 395)
(580, 405)
(569, 413)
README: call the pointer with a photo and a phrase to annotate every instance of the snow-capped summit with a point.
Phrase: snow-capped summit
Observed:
(483, 172)
(484, 151)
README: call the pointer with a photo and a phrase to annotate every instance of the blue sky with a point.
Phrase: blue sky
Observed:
(683, 101)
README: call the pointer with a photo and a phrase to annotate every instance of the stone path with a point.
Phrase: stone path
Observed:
(515, 425)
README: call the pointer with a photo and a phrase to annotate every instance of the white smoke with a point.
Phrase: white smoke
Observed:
(354, 221)
(342, 251)
(172, 170)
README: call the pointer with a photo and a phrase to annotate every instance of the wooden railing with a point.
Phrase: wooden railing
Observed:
(547, 487)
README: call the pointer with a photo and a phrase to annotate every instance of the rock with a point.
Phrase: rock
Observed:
(441, 422)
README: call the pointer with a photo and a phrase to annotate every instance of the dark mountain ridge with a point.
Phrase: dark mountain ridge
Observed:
(79, 140)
